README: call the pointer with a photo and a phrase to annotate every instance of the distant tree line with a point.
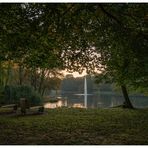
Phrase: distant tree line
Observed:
(76, 85)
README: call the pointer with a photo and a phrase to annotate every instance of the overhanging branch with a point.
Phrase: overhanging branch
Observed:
(110, 15)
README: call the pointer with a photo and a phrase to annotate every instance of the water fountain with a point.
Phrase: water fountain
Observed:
(85, 92)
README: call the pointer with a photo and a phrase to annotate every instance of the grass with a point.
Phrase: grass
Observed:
(76, 127)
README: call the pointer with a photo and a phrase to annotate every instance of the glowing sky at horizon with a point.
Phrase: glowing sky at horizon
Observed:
(75, 74)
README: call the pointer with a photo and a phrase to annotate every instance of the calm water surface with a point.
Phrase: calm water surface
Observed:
(105, 99)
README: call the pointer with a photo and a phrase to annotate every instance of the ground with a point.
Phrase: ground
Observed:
(76, 127)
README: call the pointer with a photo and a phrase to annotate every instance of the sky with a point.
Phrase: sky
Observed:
(75, 74)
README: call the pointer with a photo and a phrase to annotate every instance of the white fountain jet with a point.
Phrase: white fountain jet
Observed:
(85, 92)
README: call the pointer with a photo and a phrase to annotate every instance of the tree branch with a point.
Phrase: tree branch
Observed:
(66, 11)
(110, 15)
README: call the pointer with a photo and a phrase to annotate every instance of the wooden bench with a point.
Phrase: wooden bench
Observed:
(14, 106)
(40, 109)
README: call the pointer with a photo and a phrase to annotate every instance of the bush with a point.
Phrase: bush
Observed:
(36, 98)
(2, 100)
(12, 94)
(53, 101)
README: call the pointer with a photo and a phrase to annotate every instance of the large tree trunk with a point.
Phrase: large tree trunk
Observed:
(43, 90)
(1, 74)
(34, 78)
(41, 81)
(20, 74)
(8, 80)
(128, 103)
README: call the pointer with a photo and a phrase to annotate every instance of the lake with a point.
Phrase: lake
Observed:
(105, 99)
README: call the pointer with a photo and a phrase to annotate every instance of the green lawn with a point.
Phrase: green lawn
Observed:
(76, 126)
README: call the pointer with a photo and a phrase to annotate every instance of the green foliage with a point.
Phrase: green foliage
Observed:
(53, 101)
(109, 37)
(24, 36)
(12, 94)
(35, 98)
(2, 100)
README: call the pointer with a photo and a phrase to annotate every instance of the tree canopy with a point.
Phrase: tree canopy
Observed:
(109, 37)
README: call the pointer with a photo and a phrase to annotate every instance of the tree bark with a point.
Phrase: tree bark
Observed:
(110, 15)
(43, 90)
(20, 75)
(9, 74)
(1, 74)
(128, 103)
(41, 81)
(34, 78)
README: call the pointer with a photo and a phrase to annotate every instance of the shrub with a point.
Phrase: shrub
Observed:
(12, 94)
(53, 101)
(2, 100)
